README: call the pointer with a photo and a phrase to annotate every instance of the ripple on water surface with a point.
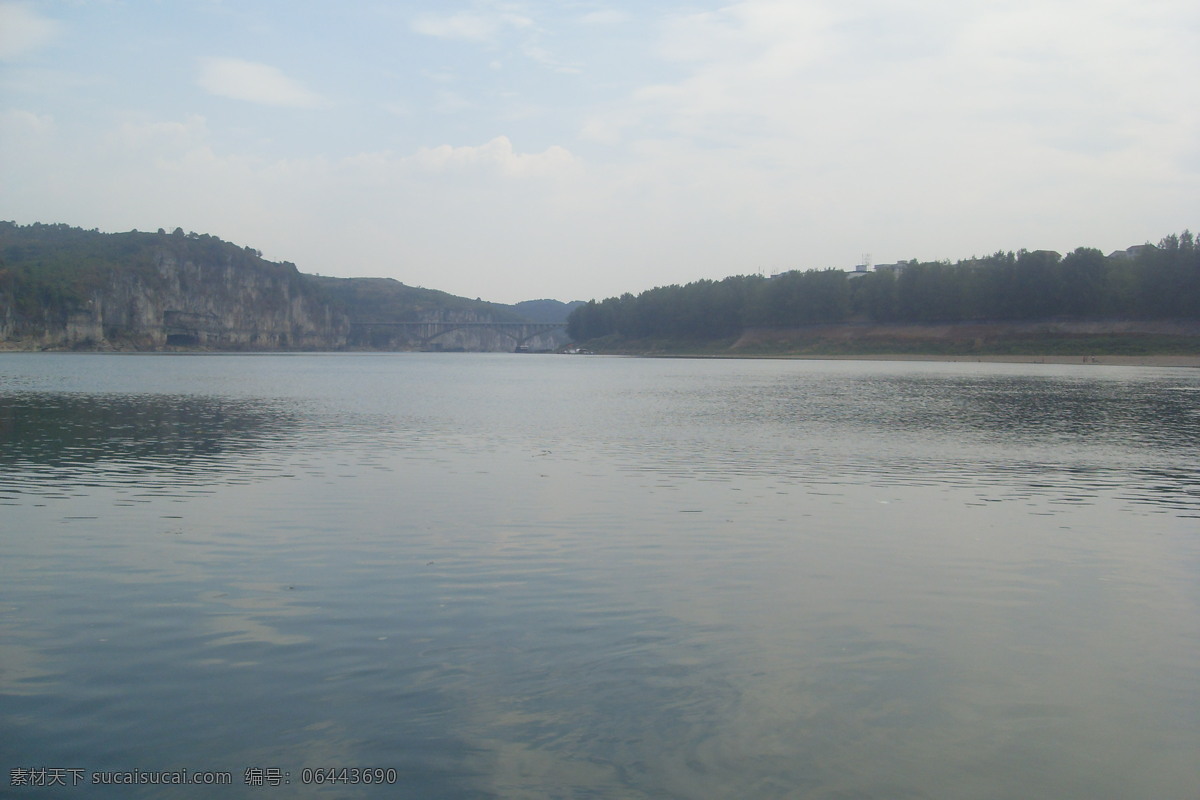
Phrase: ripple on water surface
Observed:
(573, 577)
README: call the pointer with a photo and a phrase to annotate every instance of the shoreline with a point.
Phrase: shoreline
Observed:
(1185, 361)
(1111, 360)
(1180, 361)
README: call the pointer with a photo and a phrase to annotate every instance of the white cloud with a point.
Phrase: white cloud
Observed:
(608, 127)
(766, 74)
(255, 83)
(23, 31)
(451, 103)
(16, 122)
(470, 26)
(755, 67)
(751, 30)
(166, 135)
(496, 156)
(490, 24)
(965, 127)
(396, 109)
(47, 82)
(438, 75)
(544, 57)
(607, 16)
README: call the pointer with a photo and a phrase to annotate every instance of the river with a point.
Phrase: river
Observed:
(491, 575)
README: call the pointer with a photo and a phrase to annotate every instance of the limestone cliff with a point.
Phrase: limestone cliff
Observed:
(66, 288)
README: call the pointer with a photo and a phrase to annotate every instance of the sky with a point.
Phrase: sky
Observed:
(577, 149)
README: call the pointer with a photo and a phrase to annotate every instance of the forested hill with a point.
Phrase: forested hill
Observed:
(64, 287)
(1146, 282)
(547, 310)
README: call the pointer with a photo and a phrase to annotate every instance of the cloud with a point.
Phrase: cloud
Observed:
(159, 136)
(748, 71)
(608, 127)
(23, 31)
(438, 75)
(465, 26)
(451, 103)
(470, 26)
(18, 122)
(547, 59)
(496, 157)
(840, 78)
(754, 29)
(488, 26)
(499, 156)
(608, 16)
(968, 127)
(255, 83)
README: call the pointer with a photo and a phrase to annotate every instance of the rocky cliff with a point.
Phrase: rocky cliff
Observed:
(66, 288)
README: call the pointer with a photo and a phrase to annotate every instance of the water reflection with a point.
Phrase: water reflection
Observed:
(575, 577)
(799, 426)
(991, 409)
(1027, 434)
(70, 442)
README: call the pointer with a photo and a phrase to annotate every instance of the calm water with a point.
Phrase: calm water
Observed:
(527, 576)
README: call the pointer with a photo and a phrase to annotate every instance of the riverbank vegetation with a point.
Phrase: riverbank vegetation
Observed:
(1147, 282)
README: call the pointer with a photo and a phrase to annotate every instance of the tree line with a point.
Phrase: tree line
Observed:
(1148, 282)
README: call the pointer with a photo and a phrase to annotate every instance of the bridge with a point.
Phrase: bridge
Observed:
(427, 332)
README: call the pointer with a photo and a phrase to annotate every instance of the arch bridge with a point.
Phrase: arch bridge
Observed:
(428, 332)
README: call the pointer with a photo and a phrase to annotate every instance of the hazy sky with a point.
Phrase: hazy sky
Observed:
(516, 150)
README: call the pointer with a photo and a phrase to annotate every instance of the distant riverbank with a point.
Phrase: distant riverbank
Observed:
(1190, 361)
(1113, 342)
(1109, 360)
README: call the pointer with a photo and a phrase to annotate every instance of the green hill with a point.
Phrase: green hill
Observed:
(64, 287)
(1027, 300)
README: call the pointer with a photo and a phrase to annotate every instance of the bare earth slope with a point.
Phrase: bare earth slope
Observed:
(1066, 341)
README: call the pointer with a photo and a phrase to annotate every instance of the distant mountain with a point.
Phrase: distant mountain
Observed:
(367, 300)
(546, 310)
